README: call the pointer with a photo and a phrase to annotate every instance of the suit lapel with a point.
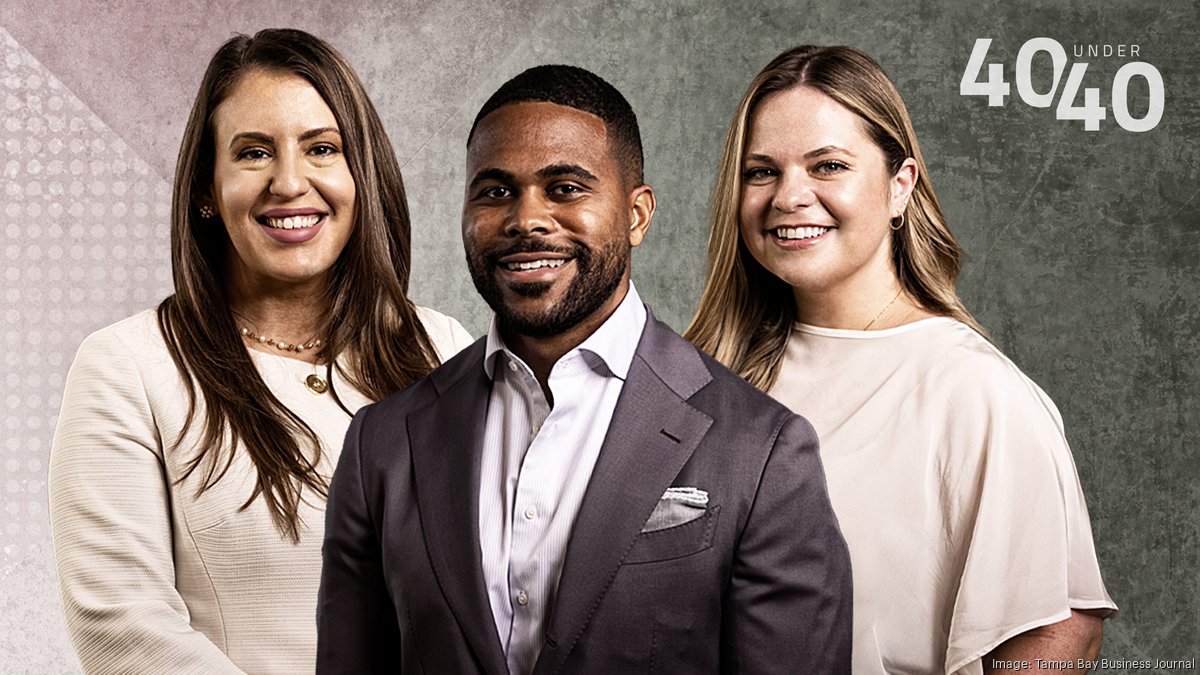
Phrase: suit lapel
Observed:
(653, 433)
(445, 440)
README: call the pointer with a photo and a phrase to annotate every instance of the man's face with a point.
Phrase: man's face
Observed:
(547, 220)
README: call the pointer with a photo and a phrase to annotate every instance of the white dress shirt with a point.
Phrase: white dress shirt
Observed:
(536, 465)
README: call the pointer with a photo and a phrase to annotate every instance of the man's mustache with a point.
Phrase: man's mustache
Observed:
(535, 245)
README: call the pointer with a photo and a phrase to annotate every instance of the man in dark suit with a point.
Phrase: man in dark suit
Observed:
(581, 491)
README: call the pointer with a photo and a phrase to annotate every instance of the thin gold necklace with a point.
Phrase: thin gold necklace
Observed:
(884, 310)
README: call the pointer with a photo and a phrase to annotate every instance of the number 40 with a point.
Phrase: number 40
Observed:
(1091, 112)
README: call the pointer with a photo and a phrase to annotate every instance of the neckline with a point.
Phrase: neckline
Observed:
(290, 360)
(852, 334)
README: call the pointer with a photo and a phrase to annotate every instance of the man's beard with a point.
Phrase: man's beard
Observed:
(598, 273)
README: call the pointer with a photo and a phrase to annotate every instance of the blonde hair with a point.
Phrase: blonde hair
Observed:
(746, 313)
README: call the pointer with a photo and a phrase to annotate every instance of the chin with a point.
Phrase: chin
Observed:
(533, 289)
(804, 275)
(538, 324)
(529, 312)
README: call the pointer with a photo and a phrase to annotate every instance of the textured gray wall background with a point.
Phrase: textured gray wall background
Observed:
(1084, 247)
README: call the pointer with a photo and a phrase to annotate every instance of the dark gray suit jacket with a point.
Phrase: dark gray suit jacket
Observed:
(759, 583)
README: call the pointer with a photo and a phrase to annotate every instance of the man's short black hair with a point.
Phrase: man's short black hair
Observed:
(583, 90)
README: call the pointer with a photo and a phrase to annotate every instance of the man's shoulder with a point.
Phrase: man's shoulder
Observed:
(426, 391)
(722, 393)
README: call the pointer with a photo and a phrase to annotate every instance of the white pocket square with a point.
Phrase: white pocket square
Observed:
(677, 506)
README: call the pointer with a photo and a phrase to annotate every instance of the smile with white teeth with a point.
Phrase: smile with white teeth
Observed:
(291, 222)
(800, 232)
(534, 264)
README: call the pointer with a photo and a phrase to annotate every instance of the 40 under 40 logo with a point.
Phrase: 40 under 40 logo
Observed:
(1090, 112)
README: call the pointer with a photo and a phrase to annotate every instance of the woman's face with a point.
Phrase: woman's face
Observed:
(817, 198)
(280, 183)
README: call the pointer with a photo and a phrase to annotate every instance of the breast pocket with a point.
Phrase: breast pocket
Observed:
(679, 541)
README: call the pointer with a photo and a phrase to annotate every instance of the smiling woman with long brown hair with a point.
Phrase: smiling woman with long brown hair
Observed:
(831, 285)
(191, 461)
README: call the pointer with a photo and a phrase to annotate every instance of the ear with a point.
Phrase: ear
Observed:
(902, 184)
(204, 198)
(641, 211)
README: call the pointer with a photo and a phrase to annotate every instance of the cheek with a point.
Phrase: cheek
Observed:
(336, 187)
(476, 224)
(752, 217)
(235, 196)
(753, 205)
(348, 191)
(864, 200)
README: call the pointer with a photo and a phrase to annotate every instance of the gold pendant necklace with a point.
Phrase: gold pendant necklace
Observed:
(316, 384)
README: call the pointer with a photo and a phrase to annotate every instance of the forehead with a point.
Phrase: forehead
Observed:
(271, 101)
(805, 116)
(527, 136)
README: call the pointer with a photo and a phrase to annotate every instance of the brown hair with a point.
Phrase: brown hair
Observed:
(370, 322)
(746, 313)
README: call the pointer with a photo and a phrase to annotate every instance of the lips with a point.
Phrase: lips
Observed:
(291, 223)
(530, 265)
(292, 226)
(799, 236)
(528, 262)
(800, 232)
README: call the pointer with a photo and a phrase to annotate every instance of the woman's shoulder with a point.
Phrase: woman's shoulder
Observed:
(130, 353)
(446, 333)
(974, 375)
(137, 336)
(962, 351)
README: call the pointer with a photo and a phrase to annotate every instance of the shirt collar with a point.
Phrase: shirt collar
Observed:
(614, 341)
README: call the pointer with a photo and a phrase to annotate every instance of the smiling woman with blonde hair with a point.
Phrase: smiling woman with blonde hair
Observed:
(192, 457)
(831, 285)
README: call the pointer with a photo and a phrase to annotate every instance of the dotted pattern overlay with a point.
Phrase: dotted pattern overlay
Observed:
(85, 243)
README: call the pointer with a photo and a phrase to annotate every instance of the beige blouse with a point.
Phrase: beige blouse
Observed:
(954, 487)
(155, 578)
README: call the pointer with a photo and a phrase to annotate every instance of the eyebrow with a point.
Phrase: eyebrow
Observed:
(555, 170)
(266, 138)
(826, 150)
(499, 175)
(551, 171)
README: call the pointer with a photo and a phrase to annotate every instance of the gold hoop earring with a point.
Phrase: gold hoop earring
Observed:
(207, 212)
(895, 225)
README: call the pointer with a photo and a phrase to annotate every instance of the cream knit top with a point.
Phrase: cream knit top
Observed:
(154, 578)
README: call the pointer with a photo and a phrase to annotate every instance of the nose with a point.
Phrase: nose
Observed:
(793, 191)
(288, 178)
(530, 215)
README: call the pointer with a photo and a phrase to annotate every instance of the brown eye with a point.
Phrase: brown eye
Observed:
(253, 154)
(565, 190)
(496, 192)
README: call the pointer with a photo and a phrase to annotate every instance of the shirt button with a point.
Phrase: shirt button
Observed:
(512, 366)
(530, 513)
(522, 598)
(536, 428)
